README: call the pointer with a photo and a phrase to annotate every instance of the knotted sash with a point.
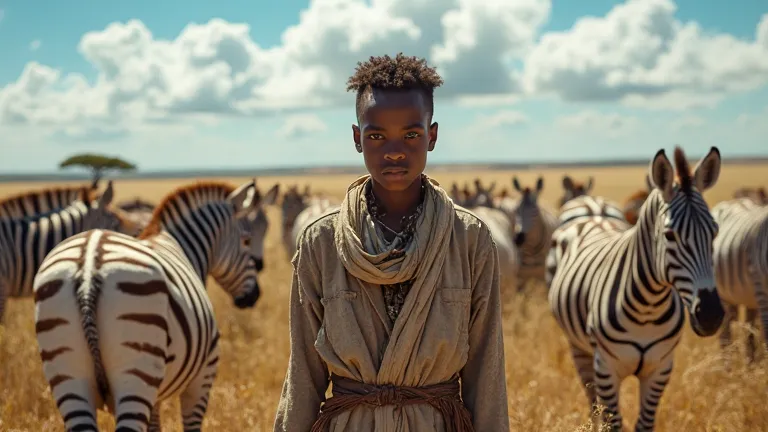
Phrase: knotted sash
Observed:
(349, 394)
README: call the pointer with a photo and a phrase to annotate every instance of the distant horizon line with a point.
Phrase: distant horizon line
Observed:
(338, 169)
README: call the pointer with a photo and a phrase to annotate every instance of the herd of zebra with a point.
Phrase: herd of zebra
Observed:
(123, 320)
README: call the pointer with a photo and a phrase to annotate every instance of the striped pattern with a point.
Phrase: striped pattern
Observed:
(127, 322)
(572, 214)
(256, 223)
(741, 264)
(620, 293)
(25, 241)
(533, 228)
(38, 202)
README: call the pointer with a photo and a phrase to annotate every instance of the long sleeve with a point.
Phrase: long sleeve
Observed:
(483, 377)
(307, 377)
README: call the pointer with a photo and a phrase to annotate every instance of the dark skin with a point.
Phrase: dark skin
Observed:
(394, 136)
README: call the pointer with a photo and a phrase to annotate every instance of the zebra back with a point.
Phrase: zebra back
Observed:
(37, 202)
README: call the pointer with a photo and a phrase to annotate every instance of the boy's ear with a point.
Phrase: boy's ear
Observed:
(432, 136)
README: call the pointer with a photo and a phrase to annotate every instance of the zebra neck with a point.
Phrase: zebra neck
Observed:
(196, 245)
(645, 235)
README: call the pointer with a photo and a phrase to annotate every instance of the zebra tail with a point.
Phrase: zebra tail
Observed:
(87, 293)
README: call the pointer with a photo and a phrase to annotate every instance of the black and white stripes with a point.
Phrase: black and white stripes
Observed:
(619, 293)
(28, 237)
(127, 322)
(741, 264)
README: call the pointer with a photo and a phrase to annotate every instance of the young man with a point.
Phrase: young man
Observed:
(395, 297)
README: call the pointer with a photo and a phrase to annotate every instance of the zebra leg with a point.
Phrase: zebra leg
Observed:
(761, 295)
(731, 314)
(584, 362)
(154, 420)
(194, 400)
(607, 386)
(752, 343)
(651, 389)
(3, 300)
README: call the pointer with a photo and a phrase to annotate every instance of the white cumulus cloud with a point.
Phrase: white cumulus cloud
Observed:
(35, 45)
(639, 52)
(490, 52)
(301, 125)
(216, 67)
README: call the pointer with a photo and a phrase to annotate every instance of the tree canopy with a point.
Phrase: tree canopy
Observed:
(97, 162)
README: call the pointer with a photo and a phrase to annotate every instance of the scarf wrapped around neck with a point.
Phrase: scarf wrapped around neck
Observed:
(367, 256)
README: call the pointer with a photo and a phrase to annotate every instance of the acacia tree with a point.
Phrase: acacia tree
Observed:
(97, 164)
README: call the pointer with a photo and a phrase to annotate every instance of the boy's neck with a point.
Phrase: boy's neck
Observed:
(398, 204)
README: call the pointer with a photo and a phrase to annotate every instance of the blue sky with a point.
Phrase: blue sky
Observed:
(178, 87)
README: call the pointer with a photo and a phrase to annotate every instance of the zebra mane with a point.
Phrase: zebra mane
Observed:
(11, 205)
(192, 195)
(683, 171)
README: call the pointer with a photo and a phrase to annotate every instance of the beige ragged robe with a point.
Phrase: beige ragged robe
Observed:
(450, 323)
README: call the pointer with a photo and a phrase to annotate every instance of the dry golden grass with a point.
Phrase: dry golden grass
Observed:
(544, 391)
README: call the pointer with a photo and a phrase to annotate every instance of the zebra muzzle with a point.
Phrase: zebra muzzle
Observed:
(248, 299)
(708, 312)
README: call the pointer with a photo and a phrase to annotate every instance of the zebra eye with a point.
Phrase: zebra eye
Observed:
(670, 235)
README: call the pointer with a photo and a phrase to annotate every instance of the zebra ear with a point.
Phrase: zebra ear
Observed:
(106, 198)
(567, 183)
(516, 183)
(271, 196)
(590, 184)
(244, 197)
(707, 170)
(662, 175)
(648, 182)
(539, 184)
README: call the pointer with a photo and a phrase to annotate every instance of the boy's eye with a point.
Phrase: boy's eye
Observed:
(412, 135)
(375, 136)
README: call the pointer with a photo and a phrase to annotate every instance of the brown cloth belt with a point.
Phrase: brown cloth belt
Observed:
(349, 394)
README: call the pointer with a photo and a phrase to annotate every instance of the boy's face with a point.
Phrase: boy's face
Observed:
(394, 136)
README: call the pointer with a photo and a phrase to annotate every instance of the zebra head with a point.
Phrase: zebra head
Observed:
(483, 195)
(293, 204)
(527, 210)
(99, 214)
(684, 233)
(256, 223)
(574, 189)
(233, 264)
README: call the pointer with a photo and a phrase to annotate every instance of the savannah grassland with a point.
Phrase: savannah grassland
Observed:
(544, 391)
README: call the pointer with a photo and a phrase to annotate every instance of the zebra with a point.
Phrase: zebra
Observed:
(37, 202)
(741, 264)
(256, 223)
(620, 291)
(574, 189)
(26, 240)
(127, 323)
(532, 232)
(300, 209)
